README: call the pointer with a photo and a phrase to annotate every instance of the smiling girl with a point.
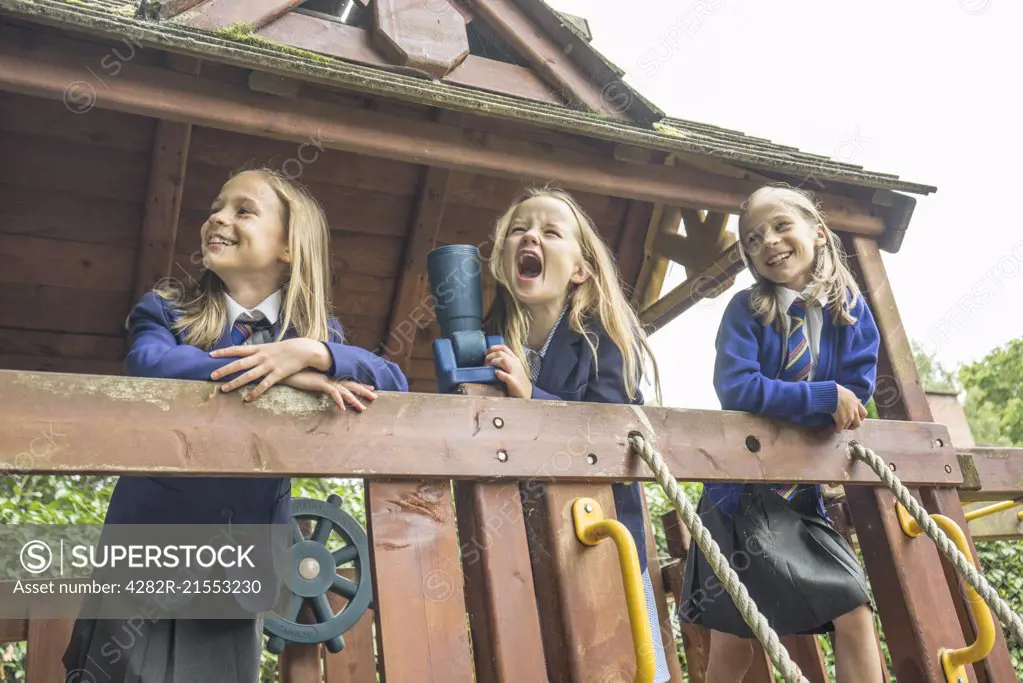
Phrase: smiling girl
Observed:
(259, 314)
(800, 345)
(571, 335)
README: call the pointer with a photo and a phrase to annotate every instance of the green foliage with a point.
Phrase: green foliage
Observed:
(997, 382)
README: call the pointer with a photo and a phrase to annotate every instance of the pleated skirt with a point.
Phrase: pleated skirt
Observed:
(141, 650)
(799, 571)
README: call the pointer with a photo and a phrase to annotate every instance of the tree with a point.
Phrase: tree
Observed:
(994, 387)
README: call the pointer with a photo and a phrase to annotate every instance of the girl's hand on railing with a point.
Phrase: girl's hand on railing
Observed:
(345, 391)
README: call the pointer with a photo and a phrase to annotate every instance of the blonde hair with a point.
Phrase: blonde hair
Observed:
(598, 298)
(202, 311)
(830, 275)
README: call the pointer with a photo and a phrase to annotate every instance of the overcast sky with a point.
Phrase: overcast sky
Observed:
(925, 89)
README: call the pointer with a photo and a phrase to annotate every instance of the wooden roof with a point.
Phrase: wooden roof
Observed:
(543, 96)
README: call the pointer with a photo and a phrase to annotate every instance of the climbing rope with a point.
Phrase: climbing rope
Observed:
(740, 596)
(963, 565)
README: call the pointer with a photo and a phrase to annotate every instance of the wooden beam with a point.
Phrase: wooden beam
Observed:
(415, 34)
(214, 15)
(997, 473)
(354, 44)
(548, 59)
(357, 662)
(131, 425)
(151, 91)
(665, 220)
(47, 640)
(708, 284)
(629, 251)
(163, 205)
(412, 311)
(504, 621)
(13, 630)
(922, 608)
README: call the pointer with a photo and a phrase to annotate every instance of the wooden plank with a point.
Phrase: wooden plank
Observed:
(300, 664)
(214, 15)
(82, 366)
(708, 283)
(177, 97)
(63, 309)
(503, 617)
(579, 591)
(357, 212)
(629, 250)
(655, 267)
(56, 214)
(417, 582)
(56, 263)
(47, 640)
(13, 630)
(998, 471)
(101, 128)
(309, 160)
(164, 9)
(548, 58)
(162, 425)
(918, 611)
(411, 306)
(102, 172)
(357, 662)
(163, 205)
(354, 44)
(414, 34)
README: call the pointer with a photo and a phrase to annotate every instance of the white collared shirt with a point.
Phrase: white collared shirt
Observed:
(269, 308)
(814, 320)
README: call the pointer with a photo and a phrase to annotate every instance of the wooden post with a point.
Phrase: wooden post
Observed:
(927, 603)
(357, 662)
(47, 640)
(503, 618)
(665, 617)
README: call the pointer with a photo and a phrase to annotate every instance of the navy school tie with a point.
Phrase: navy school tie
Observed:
(796, 369)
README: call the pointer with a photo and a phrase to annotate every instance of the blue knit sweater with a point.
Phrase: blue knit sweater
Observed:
(749, 358)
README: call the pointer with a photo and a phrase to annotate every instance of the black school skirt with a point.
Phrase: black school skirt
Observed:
(158, 650)
(799, 571)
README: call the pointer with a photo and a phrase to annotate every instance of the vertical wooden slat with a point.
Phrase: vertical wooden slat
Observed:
(900, 396)
(806, 652)
(417, 582)
(159, 231)
(631, 241)
(579, 588)
(411, 311)
(47, 640)
(505, 624)
(357, 662)
(300, 664)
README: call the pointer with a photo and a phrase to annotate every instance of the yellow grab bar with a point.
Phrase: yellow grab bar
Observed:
(591, 528)
(992, 509)
(954, 661)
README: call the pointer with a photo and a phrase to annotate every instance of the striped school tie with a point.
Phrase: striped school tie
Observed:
(796, 369)
(244, 329)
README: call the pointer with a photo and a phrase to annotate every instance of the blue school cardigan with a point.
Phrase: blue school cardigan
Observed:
(159, 352)
(749, 359)
(571, 373)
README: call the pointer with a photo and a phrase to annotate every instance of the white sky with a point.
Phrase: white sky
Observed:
(919, 88)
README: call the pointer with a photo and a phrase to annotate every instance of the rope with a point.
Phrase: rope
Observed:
(740, 596)
(964, 566)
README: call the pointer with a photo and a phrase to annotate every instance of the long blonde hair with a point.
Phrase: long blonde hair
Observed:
(599, 298)
(201, 309)
(830, 276)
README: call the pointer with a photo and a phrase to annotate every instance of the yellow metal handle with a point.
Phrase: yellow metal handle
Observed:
(591, 528)
(954, 661)
(992, 509)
